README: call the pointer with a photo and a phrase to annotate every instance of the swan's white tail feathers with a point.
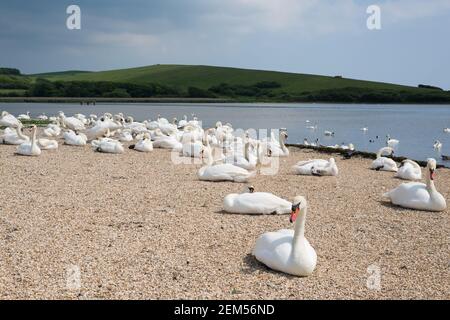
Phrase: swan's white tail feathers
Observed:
(245, 178)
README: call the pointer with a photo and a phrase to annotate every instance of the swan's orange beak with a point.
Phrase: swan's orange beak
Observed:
(294, 213)
(432, 174)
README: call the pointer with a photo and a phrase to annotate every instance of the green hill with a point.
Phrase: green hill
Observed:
(189, 81)
(204, 77)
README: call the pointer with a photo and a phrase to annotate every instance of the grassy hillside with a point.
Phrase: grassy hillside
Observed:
(204, 77)
(208, 82)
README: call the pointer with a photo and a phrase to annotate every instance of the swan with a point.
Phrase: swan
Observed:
(288, 251)
(316, 167)
(437, 145)
(14, 136)
(383, 163)
(107, 145)
(420, 196)
(47, 144)
(409, 170)
(446, 130)
(73, 139)
(143, 145)
(365, 129)
(392, 143)
(126, 136)
(52, 130)
(29, 148)
(256, 203)
(72, 123)
(246, 161)
(182, 123)
(275, 148)
(24, 116)
(222, 172)
(166, 142)
(42, 117)
(8, 120)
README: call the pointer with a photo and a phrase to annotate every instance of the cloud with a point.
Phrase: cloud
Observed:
(124, 39)
(400, 11)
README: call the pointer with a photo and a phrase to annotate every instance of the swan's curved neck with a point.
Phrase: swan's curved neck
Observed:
(20, 134)
(299, 230)
(282, 142)
(430, 183)
(33, 137)
(247, 151)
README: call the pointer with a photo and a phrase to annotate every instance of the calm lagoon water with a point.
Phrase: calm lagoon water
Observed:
(416, 126)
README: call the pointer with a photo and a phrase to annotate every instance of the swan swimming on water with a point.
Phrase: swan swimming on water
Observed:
(24, 116)
(288, 251)
(392, 143)
(419, 196)
(437, 145)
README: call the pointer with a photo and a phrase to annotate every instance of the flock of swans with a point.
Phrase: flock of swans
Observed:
(228, 158)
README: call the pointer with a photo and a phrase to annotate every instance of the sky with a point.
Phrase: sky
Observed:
(328, 37)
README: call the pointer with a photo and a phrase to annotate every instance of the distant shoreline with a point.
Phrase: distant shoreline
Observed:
(92, 101)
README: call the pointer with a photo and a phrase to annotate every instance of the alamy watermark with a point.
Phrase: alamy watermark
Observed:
(374, 20)
(73, 277)
(374, 279)
(73, 22)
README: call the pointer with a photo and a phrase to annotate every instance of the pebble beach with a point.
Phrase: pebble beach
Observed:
(136, 226)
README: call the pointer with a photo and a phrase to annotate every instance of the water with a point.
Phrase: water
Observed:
(416, 126)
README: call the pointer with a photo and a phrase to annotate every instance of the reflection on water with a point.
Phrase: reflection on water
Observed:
(416, 126)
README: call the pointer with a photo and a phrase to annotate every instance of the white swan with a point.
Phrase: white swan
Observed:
(409, 170)
(246, 161)
(24, 116)
(256, 203)
(222, 172)
(8, 120)
(14, 136)
(47, 144)
(420, 196)
(29, 148)
(446, 130)
(437, 145)
(288, 251)
(107, 145)
(126, 136)
(52, 130)
(316, 167)
(73, 139)
(42, 117)
(383, 163)
(166, 142)
(276, 148)
(72, 123)
(143, 145)
(392, 143)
